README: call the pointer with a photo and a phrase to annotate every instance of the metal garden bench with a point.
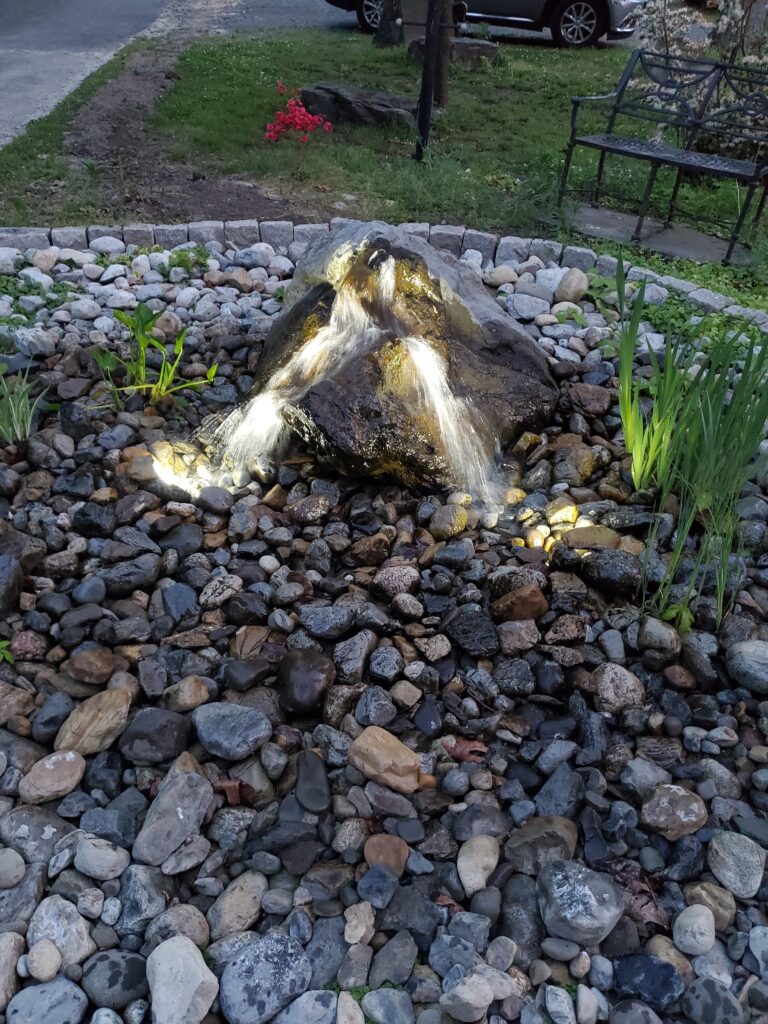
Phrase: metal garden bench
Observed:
(686, 114)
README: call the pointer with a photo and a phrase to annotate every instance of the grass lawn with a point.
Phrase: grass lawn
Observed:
(494, 162)
(495, 152)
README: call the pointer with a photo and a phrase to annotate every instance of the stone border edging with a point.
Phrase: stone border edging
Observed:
(453, 238)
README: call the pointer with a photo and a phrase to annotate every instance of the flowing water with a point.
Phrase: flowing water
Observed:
(258, 430)
(465, 450)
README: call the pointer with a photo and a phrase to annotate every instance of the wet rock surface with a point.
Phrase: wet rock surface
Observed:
(309, 749)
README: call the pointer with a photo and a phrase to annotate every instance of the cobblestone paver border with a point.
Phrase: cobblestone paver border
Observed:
(284, 233)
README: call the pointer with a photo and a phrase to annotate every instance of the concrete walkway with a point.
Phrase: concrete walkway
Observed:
(677, 241)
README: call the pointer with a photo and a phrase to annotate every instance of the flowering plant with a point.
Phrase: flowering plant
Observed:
(295, 118)
(738, 33)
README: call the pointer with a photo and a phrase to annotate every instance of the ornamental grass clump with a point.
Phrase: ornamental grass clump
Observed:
(649, 439)
(17, 406)
(697, 445)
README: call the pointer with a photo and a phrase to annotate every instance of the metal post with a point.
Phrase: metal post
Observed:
(424, 109)
(444, 53)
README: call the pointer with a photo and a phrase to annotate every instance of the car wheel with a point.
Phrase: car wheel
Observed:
(577, 23)
(369, 14)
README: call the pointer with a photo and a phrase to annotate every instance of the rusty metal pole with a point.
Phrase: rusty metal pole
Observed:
(428, 72)
(445, 42)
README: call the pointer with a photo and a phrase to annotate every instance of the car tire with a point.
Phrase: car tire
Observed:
(369, 14)
(577, 23)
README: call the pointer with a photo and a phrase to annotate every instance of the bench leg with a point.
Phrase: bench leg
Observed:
(739, 224)
(645, 202)
(564, 175)
(761, 206)
(599, 178)
(673, 200)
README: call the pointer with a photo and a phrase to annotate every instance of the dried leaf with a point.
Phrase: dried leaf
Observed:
(640, 901)
(443, 900)
(465, 750)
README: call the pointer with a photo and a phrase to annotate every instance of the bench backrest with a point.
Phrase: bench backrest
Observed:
(702, 99)
(666, 90)
(738, 108)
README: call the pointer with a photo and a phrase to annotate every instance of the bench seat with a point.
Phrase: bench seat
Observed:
(654, 150)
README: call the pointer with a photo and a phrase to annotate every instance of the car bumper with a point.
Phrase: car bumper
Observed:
(624, 17)
(345, 5)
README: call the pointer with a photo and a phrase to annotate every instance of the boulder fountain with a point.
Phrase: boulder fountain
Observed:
(391, 360)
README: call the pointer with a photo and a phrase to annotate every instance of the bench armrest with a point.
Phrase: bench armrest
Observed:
(576, 102)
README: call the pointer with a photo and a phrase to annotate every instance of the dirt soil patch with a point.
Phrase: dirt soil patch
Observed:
(112, 135)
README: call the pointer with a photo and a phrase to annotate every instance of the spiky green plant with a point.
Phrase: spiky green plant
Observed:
(137, 374)
(698, 443)
(17, 406)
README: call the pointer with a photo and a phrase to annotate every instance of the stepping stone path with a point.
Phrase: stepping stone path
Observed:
(309, 750)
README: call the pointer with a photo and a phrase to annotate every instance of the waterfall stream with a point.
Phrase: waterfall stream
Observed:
(258, 430)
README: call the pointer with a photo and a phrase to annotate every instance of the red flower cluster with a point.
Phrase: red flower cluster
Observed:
(295, 118)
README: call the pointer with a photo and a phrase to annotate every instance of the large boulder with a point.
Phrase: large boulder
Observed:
(343, 104)
(369, 398)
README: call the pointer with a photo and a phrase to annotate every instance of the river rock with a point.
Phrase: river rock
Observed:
(100, 859)
(43, 960)
(115, 978)
(631, 1011)
(238, 907)
(709, 1000)
(616, 688)
(694, 930)
(12, 868)
(314, 1007)
(95, 724)
(654, 981)
(573, 286)
(674, 812)
(388, 1006)
(231, 731)
(469, 999)
(57, 1002)
(540, 841)
(11, 948)
(52, 777)
(175, 815)
(747, 663)
(33, 832)
(475, 861)
(382, 757)
(181, 986)
(348, 1010)
(719, 900)
(304, 678)
(58, 920)
(737, 862)
(577, 903)
(154, 735)
(263, 978)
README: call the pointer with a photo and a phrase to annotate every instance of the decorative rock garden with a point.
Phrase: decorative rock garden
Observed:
(305, 748)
